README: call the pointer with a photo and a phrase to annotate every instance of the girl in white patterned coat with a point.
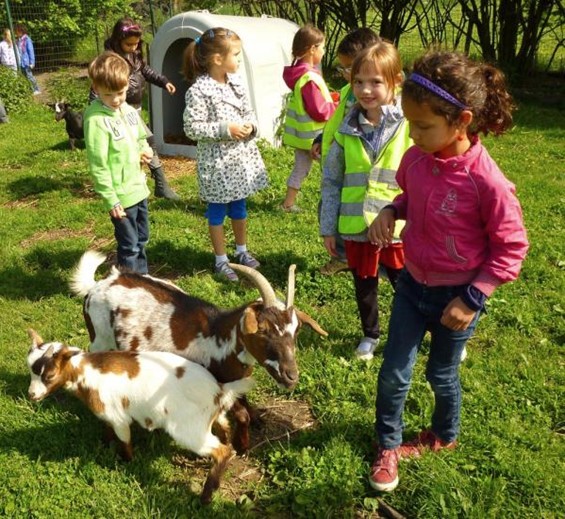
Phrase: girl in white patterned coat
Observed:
(219, 117)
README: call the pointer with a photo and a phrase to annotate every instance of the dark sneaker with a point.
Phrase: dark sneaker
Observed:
(224, 270)
(244, 258)
(384, 471)
(426, 440)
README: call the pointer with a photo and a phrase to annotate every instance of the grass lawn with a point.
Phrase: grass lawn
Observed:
(312, 456)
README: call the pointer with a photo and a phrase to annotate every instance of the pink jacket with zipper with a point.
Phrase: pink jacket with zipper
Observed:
(463, 221)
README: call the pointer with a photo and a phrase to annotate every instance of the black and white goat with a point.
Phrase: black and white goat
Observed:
(73, 121)
(129, 311)
(158, 390)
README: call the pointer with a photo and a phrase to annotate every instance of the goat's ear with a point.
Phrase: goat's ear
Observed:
(36, 339)
(67, 353)
(306, 319)
(249, 321)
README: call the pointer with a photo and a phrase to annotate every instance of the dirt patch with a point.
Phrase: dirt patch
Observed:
(63, 234)
(177, 167)
(280, 420)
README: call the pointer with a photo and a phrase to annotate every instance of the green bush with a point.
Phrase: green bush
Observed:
(71, 85)
(15, 91)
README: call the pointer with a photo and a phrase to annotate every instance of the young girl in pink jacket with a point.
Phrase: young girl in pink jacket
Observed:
(309, 106)
(464, 236)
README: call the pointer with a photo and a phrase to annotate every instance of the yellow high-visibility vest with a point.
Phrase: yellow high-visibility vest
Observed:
(300, 129)
(368, 187)
(334, 122)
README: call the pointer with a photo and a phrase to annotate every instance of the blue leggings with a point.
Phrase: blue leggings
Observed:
(216, 213)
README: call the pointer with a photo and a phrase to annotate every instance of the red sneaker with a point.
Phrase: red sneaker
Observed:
(426, 439)
(384, 471)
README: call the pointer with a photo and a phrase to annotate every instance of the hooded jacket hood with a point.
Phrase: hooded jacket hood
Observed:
(292, 73)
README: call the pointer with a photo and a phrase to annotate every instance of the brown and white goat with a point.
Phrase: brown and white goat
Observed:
(128, 311)
(158, 390)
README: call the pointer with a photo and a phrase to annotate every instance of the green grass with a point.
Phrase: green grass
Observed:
(510, 460)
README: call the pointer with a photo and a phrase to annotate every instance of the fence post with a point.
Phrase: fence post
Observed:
(11, 25)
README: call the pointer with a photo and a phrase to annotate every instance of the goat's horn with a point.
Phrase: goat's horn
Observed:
(260, 281)
(290, 286)
(35, 337)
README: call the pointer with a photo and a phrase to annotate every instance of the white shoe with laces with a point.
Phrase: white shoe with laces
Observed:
(366, 348)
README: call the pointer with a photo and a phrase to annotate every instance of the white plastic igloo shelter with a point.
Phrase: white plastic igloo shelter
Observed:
(266, 49)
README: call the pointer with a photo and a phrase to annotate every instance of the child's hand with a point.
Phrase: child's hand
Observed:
(381, 231)
(329, 244)
(146, 156)
(249, 128)
(316, 151)
(170, 88)
(118, 212)
(240, 131)
(457, 315)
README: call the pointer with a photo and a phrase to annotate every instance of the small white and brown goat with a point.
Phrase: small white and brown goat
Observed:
(158, 390)
(128, 311)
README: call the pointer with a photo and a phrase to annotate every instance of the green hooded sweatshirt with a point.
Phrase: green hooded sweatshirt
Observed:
(114, 142)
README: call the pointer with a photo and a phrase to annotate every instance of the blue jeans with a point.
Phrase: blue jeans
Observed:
(132, 235)
(417, 309)
(29, 75)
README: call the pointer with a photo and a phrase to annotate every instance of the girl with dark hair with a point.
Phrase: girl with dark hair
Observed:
(126, 41)
(464, 236)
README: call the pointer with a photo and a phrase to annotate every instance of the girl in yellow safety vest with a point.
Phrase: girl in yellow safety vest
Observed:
(309, 106)
(359, 178)
(353, 43)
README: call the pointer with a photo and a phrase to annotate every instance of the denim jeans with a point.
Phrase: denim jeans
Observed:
(132, 235)
(29, 75)
(417, 309)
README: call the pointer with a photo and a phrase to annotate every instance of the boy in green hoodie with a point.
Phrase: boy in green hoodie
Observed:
(116, 146)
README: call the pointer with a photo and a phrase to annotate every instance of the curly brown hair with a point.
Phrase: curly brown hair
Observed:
(479, 86)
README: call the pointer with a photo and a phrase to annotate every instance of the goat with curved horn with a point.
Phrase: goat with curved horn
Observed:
(290, 286)
(265, 289)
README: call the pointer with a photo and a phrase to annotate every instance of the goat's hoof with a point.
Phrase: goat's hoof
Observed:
(240, 446)
(205, 500)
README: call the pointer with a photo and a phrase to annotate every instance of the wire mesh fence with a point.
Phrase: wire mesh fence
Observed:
(69, 32)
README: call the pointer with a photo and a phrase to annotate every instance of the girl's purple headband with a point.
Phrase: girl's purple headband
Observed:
(131, 28)
(432, 87)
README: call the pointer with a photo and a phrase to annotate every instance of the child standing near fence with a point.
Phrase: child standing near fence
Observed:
(464, 237)
(7, 54)
(126, 41)
(309, 107)
(27, 55)
(219, 117)
(358, 180)
(116, 145)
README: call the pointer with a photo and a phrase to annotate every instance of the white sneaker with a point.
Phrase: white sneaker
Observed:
(366, 348)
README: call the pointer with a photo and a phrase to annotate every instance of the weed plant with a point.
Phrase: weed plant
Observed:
(510, 462)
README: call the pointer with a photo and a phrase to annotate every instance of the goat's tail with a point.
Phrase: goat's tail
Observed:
(231, 391)
(82, 279)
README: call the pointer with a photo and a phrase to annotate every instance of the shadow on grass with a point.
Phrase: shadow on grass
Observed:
(33, 186)
(64, 145)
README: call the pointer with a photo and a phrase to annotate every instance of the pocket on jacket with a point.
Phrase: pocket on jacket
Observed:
(452, 250)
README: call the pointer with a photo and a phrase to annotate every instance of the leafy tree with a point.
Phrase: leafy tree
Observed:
(509, 31)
